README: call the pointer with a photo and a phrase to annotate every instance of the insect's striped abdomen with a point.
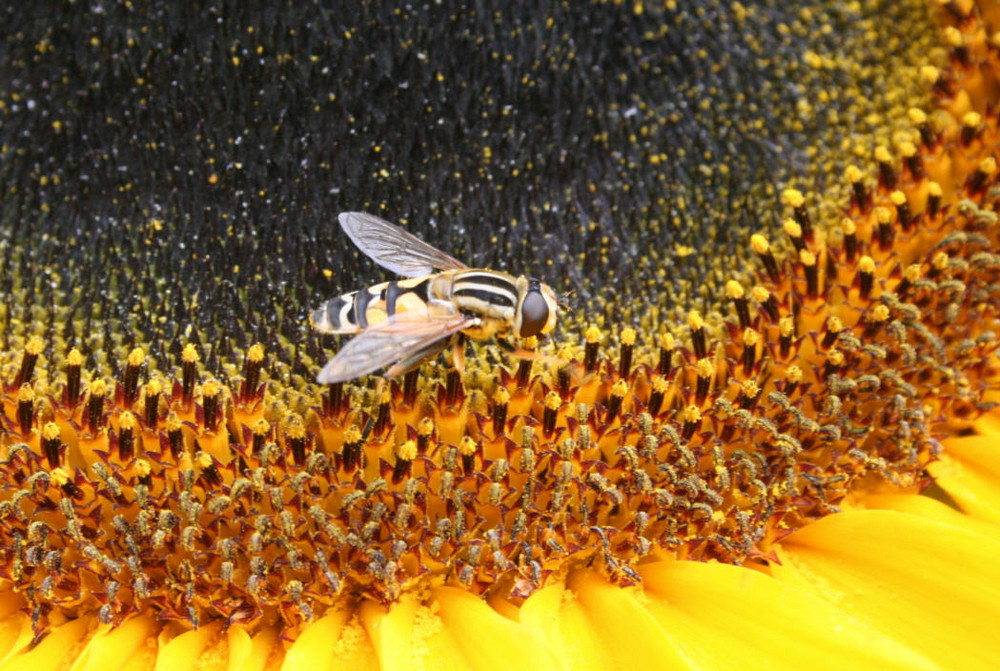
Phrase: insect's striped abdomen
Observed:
(355, 311)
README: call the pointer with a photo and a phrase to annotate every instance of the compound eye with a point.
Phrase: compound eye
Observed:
(534, 314)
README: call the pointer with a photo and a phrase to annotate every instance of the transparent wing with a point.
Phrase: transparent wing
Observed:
(393, 248)
(405, 340)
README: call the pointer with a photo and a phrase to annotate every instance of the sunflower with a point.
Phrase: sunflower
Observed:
(800, 471)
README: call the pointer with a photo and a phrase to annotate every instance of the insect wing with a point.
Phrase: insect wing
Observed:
(393, 248)
(408, 337)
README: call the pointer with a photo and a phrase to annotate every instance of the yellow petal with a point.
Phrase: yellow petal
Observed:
(15, 626)
(933, 509)
(932, 585)
(630, 636)
(390, 631)
(187, 650)
(554, 614)
(731, 617)
(488, 640)
(53, 652)
(126, 647)
(332, 642)
(257, 653)
(969, 470)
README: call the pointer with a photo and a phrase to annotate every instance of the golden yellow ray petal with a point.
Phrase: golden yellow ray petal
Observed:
(433, 645)
(332, 642)
(15, 626)
(188, 650)
(962, 473)
(488, 640)
(260, 652)
(932, 585)
(390, 631)
(631, 637)
(53, 652)
(314, 647)
(731, 617)
(969, 470)
(933, 509)
(354, 651)
(126, 647)
(556, 615)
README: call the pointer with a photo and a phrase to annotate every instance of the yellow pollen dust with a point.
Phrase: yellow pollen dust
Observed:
(667, 341)
(704, 367)
(136, 357)
(972, 119)
(692, 414)
(880, 313)
(74, 358)
(848, 226)
(954, 36)
(425, 427)
(210, 389)
(34, 346)
(695, 321)
(760, 294)
(261, 427)
(988, 166)
(835, 356)
(882, 154)
(940, 261)
(786, 326)
(750, 388)
(853, 174)
(750, 337)
(352, 435)
(466, 446)
(912, 272)
(792, 198)
(918, 117)
(734, 289)
(552, 401)
(142, 467)
(173, 422)
(25, 394)
(407, 451)
(501, 396)
(127, 421)
(883, 215)
(792, 228)
(866, 264)
(190, 354)
(153, 387)
(834, 324)
(898, 198)
(295, 428)
(203, 460)
(619, 389)
(592, 335)
(59, 476)
(628, 336)
(934, 189)
(759, 244)
(50, 431)
(793, 374)
(256, 353)
(807, 258)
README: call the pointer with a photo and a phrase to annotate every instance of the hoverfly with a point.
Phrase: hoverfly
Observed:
(403, 322)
